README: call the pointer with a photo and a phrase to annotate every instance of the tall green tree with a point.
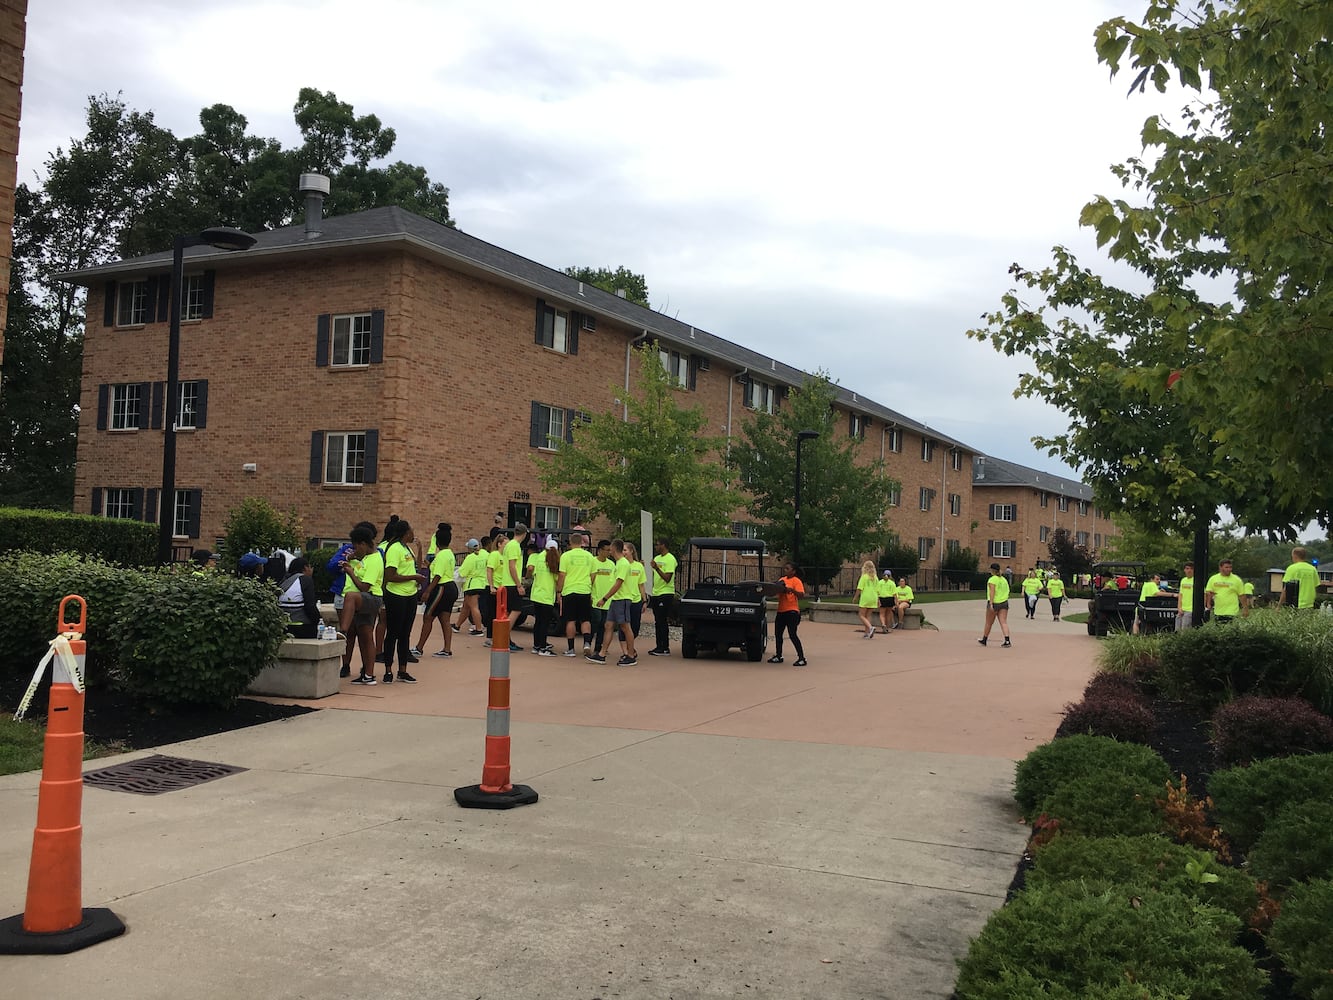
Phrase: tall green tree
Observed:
(635, 286)
(659, 458)
(843, 500)
(1070, 558)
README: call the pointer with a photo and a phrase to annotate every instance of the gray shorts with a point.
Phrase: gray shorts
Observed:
(368, 610)
(1001, 605)
(619, 613)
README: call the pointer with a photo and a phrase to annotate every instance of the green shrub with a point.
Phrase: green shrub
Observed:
(130, 543)
(1129, 654)
(1150, 860)
(1309, 672)
(1073, 757)
(1213, 664)
(256, 526)
(198, 640)
(1090, 939)
(1300, 937)
(1296, 845)
(1099, 805)
(32, 586)
(1246, 798)
(319, 559)
(1255, 727)
(1020, 983)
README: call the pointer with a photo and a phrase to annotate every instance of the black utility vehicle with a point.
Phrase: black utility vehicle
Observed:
(724, 597)
(1113, 609)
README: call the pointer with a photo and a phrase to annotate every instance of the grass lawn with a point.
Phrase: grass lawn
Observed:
(1079, 619)
(929, 597)
(21, 746)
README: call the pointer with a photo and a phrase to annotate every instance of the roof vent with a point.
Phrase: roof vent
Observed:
(315, 187)
(620, 293)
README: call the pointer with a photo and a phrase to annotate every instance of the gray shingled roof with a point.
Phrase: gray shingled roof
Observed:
(990, 471)
(394, 225)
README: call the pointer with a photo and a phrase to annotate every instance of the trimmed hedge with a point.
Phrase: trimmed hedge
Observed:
(130, 543)
(1103, 804)
(1071, 758)
(1255, 727)
(1120, 714)
(1296, 846)
(1300, 938)
(1246, 798)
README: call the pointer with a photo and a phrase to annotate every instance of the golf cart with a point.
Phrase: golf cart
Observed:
(1113, 608)
(723, 602)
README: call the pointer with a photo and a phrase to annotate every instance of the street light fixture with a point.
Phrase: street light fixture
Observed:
(223, 238)
(801, 438)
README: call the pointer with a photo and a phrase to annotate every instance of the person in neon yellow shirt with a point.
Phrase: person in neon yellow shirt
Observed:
(618, 612)
(1300, 582)
(603, 575)
(867, 597)
(997, 605)
(1185, 606)
(1055, 590)
(543, 568)
(362, 601)
(443, 592)
(574, 591)
(1150, 588)
(401, 584)
(638, 588)
(664, 596)
(494, 577)
(903, 599)
(1223, 593)
(1031, 590)
(473, 573)
(888, 598)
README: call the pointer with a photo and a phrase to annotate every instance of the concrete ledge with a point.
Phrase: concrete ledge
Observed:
(305, 668)
(845, 614)
(913, 618)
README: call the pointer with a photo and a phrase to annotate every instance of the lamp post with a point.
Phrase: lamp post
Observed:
(801, 438)
(224, 238)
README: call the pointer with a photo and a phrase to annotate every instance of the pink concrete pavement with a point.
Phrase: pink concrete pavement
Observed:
(922, 690)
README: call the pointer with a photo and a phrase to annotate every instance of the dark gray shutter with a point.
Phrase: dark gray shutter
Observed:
(376, 336)
(109, 305)
(152, 512)
(694, 371)
(564, 518)
(159, 394)
(209, 277)
(103, 405)
(569, 426)
(145, 391)
(372, 457)
(572, 334)
(851, 424)
(196, 498)
(536, 433)
(164, 299)
(322, 326)
(316, 456)
(151, 311)
(136, 503)
(541, 320)
(97, 500)
(201, 404)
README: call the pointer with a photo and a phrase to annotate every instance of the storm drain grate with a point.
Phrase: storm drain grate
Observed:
(157, 774)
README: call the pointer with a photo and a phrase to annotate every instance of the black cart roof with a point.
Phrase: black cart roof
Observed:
(729, 544)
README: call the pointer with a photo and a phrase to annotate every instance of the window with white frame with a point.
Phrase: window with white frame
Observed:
(180, 522)
(187, 413)
(927, 497)
(555, 330)
(550, 425)
(895, 496)
(132, 303)
(1044, 533)
(579, 515)
(345, 458)
(351, 341)
(1097, 540)
(1003, 512)
(761, 396)
(895, 439)
(118, 503)
(956, 460)
(744, 529)
(955, 504)
(545, 518)
(1063, 504)
(677, 367)
(1083, 508)
(192, 297)
(952, 545)
(126, 406)
(1044, 498)
(1081, 538)
(1001, 549)
(857, 425)
(923, 547)
(927, 450)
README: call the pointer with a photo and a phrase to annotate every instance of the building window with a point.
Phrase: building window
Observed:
(955, 504)
(1044, 498)
(895, 439)
(1097, 540)
(180, 522)
(744, 529)
(895, 496)
(927, 497)
(927, 450)
(952, 545)
(126, 406)
(345, 458)
(579, 515)
(677, 367)
(1044, 533)
(956, 460)
(351, 341)
(192, 298)
(1001, 550)
(923, 547)
(1063, 504)
(857, 426)
(188, 411)
(550, 426)
(760, 396)
(555, 330)
(1081, 538)
(118, 503)
(1003, 512)
(1083, 508)
(545, 518)
(132, 303)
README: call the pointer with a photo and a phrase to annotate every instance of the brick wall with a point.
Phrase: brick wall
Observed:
(1029, 519)
(13, 33)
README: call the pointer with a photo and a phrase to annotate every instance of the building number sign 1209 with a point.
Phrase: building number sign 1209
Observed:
(522, 495)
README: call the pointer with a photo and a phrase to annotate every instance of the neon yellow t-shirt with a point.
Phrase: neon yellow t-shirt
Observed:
(638, 579)
(443, 565)
(623, 573)
(543, 580)
(577, 565)
(886, 588)
(1055, 587)
(1307, 578)
(511, 559)
(1186, 589)
(1226, 591)
(1001, 586)
(603, 574)
(494, 561)
(473, 570)
(869, 588)
(1031, 586)
(667, 565)
(905, 593)
(370, 570)
(1150, 589)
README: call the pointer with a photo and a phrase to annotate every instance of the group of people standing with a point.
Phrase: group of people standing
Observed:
(880, 592)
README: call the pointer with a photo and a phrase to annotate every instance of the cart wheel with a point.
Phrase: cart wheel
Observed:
(689, 648)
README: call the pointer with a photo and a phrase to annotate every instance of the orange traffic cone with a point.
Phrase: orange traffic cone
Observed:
(495, 790)
(54, 921)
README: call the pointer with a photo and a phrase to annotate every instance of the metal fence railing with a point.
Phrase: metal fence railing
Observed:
(841, 582)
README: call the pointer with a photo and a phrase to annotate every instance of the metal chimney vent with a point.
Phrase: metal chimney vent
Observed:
(315, 187)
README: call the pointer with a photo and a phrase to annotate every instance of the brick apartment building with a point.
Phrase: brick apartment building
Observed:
(1019, 507)
(13, 33)
(379, 362)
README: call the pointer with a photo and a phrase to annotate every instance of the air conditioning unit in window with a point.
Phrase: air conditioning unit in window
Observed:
(705, 364)
(589, 322)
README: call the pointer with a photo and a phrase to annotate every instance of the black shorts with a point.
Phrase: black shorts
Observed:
(576, 607)
(886, 602)
(1001, 605)
(474, 591)
(513, 598)
(368, 610)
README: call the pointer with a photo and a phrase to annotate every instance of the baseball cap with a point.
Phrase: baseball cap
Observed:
(250, 560)
(551, 543)
(472, 543)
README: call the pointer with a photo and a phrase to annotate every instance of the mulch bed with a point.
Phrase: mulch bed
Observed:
(114, 720)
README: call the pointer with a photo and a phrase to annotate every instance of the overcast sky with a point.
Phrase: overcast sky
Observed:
(840, 185)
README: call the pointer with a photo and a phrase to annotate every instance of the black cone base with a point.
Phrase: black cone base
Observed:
(97, 925)
(472, 797)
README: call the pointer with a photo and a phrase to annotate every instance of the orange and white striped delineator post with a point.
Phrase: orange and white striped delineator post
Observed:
(54, 920)
(495, 790)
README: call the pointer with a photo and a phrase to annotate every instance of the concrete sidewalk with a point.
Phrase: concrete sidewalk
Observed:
(705, 829)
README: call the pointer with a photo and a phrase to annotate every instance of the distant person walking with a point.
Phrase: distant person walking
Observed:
(867, 597)
(1223, 593)
(1055, 590)
(788, 619)
(997, 605)
(1299, 582)
(1031, 592)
